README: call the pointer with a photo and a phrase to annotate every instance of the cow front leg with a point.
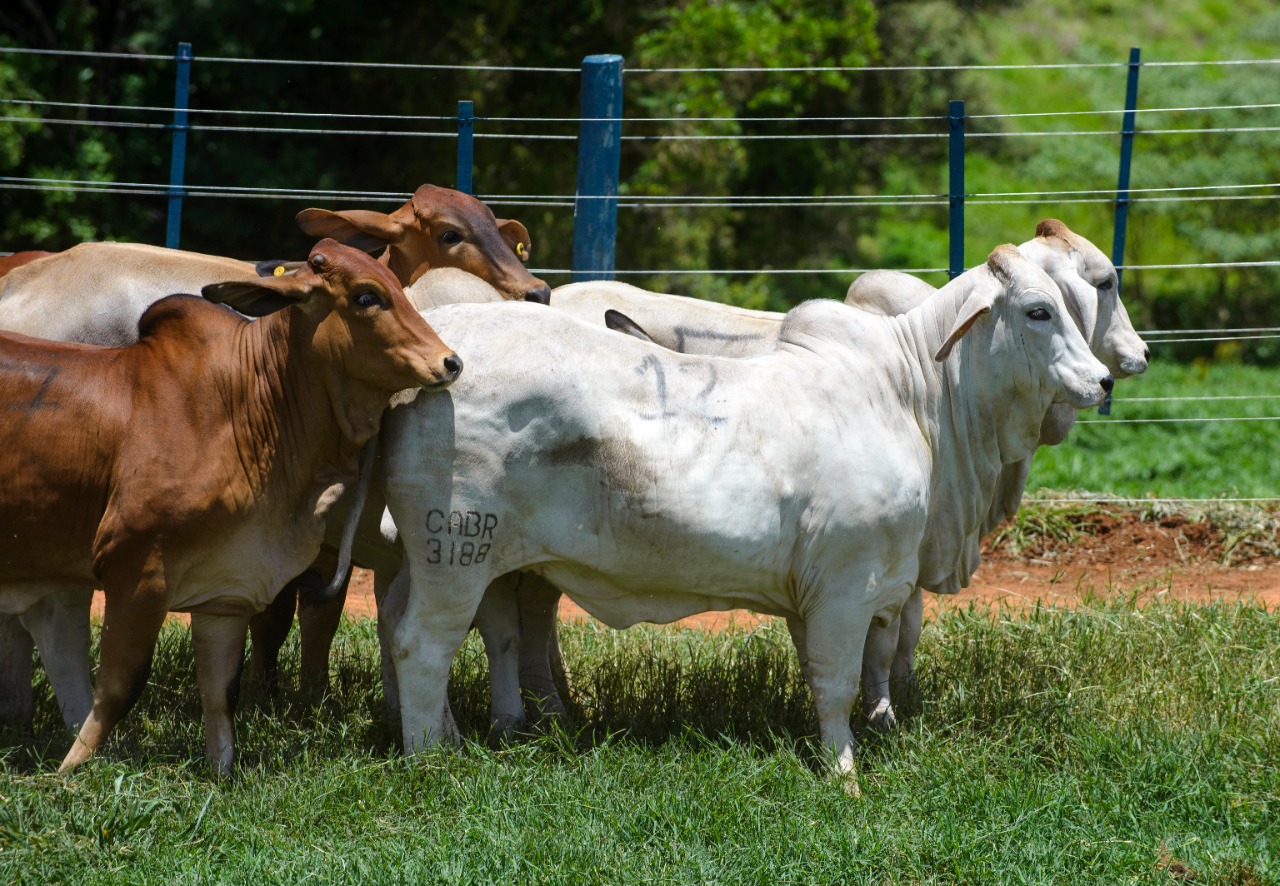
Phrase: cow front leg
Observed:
(539, 602)
(833, 638)
(59, 624)
(16, 695)
(498, 621)
(877, 659)
(131, 622)
(218, 641)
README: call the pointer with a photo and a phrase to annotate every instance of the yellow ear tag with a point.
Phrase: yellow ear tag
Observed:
(279, 271)
(521, 251)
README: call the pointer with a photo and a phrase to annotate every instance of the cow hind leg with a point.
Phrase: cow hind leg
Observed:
(16, 696)
(131, 622)
(498, 620)
(317, 625)
(269, 629)
(59, 624)
(390, 593)
(539, 602)
(877, 658)
(437, 613)
(219, 647)
(902, 676)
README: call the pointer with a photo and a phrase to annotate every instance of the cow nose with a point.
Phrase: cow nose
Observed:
(1107, 383)
(1146, 354)
(541, 295)
(453, 366)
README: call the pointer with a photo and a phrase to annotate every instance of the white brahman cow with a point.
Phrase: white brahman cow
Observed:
(650, 485)
(1088, 283)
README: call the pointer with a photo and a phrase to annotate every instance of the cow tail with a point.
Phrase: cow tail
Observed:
(359, 495)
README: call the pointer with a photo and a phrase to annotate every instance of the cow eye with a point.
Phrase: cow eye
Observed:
(367, 298)
(1038, 314)
(1106, 284)
(448, 238)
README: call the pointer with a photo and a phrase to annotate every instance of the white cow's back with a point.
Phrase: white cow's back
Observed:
(95, 292)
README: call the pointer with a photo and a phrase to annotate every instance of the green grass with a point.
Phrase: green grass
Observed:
(1174, 460)
(1104, 745)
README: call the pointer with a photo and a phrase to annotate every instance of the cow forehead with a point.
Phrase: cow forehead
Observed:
(430, 201)
(346, 266)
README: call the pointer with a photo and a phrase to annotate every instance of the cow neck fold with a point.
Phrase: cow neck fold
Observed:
(297, 416)
(974, 419)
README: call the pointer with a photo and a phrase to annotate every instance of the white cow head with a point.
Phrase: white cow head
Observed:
(1031, 334)
(1088, 283)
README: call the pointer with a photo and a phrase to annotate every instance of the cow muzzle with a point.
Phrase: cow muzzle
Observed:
(450, 369)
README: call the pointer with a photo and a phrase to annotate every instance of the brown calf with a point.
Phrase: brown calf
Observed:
(191, 471)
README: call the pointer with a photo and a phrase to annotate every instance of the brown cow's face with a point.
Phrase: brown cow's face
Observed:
(439, 228)
(364, 323)
(382, 339)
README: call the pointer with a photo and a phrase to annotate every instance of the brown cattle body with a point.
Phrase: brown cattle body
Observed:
(191, 471)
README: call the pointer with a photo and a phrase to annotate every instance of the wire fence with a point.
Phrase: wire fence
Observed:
(1159, 122)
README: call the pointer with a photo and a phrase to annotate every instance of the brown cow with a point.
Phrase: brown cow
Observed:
(95, 293)
(191, 471)
(18, 259)
(438, 228)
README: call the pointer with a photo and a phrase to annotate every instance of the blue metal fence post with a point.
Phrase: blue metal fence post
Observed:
(1126, 160)
(595, 207)
(178, 157)
(955, 220)
(466, 127)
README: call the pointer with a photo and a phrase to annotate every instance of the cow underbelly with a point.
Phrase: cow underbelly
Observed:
(243, 575)
(17, 597)
(622, 606)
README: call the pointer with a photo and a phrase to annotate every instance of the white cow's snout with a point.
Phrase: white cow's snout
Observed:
(1088, 385)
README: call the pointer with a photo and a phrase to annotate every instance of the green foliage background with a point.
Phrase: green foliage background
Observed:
(726, 34)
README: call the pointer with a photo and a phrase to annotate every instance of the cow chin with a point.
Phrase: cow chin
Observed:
(1081, 395)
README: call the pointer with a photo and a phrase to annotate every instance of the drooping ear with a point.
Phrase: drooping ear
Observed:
(517, 237)
(363, 229)
(620, 322)
(974, 307)
(258, 298)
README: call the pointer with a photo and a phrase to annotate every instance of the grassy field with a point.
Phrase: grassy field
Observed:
(1102, 745)
(1175, 459)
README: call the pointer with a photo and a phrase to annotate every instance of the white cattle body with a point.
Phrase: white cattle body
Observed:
(1088, 283)
(651, 485)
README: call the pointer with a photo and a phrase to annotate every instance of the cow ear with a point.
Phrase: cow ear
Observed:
(517, 237)
(974, 307)
(362, 229)
(258, 298)
(620, 322)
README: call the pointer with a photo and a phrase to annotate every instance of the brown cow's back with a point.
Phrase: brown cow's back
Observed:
(64, 399)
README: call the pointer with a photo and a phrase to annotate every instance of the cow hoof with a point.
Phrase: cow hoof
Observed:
(882, 718)
(504, 728)
(847, 781)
